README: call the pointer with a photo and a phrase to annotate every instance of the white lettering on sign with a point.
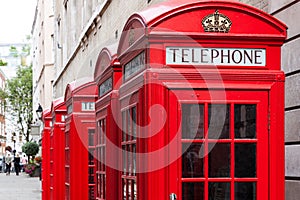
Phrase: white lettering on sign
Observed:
(215, 56)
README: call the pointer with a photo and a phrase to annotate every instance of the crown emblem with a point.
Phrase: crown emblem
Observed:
(216, 23)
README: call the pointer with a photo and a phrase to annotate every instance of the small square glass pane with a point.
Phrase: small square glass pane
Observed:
(245, 121)
(192, 121)
(245, 191)
(192, 160)
(192, 191)
(218, 121)
(219, 160)
(245, 160)
(219, 190)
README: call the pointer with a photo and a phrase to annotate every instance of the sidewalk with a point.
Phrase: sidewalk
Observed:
(20, 187)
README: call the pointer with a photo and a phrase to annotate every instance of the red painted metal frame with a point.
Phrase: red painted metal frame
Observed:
(78, 124)
(57, 151)
(107, 106)
(46, 155)
(151, 31)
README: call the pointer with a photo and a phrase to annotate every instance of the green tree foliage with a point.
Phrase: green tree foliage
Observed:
(19, 96)
(3, 63)
(13, 51)
(30, 149)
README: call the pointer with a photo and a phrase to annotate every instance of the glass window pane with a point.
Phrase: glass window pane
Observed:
(134, 190)
(124, 189)
(134, 158)
(192, 160)
(192, 121)
(130, 192)
(129, 157)
(134, 123)
(218, 121)
(128, 125)
(192, 191)
(245, 121)
(245, 160)
(124, 126)
(104, 130)
(245, 191)
(124, 159)
(219, 160)
(219, 190)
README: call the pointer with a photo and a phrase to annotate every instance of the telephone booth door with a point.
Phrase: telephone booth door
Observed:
(223, 143)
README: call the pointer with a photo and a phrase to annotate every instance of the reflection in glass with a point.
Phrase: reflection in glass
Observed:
(192, 121)
(192, 161)
(245, 191)
(219, 160)
(245, 121)
(218, 121)
(192, 191)
(245, 160)
(219, 190)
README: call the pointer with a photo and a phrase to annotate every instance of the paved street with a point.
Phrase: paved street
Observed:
(20, 187)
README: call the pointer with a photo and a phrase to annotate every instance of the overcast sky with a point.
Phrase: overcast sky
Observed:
(16, 19)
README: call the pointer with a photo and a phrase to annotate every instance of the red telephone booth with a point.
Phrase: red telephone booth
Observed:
(57, 151)
(46, 155)
(107, 77)
(79, 140)
(202, 102)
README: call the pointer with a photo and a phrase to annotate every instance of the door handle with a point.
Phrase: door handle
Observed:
(173, 196)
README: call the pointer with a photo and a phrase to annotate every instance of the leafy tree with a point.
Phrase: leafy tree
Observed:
(18, 95)
(30, 149)
(13, 51)
(3, 63)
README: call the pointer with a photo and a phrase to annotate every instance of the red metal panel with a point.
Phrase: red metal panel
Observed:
(276, 126)
(46, 155)
(80, 100)
(57, 151)
(157, 81)
(107, 131)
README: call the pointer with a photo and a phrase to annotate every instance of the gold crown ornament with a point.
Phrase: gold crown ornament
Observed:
(216, 22)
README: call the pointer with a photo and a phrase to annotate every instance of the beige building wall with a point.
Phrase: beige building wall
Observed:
(288, 12)
(43, 54)
(83, 29)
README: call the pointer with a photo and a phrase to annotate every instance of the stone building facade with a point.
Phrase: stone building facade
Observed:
(82, 28)
(288, 12)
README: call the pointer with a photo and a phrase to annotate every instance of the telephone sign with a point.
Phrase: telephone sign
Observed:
(215, 56)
